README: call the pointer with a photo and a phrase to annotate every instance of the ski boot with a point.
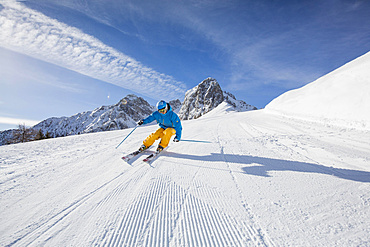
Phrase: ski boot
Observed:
(159, 149)
(143, 148)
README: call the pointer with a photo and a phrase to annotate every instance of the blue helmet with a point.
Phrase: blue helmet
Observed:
(161, 104)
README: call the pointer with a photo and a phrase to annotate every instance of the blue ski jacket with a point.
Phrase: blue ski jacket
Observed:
(168, 120)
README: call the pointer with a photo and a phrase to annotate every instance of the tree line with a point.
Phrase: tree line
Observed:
(24, 134)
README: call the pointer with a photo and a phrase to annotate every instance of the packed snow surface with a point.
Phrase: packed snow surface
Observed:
(236, 179)
(341, 97)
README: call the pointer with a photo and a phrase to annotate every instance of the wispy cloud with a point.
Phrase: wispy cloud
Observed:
(30, 32)
(248, 52)
(16, 121)
(289, 46)
(253, 54)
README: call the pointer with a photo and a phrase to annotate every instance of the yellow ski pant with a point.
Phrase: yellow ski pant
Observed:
(163, 134)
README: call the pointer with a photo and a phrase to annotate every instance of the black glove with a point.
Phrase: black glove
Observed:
(175, 139)
(140, 122)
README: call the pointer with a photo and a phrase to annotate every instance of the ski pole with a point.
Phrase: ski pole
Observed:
(195, 141)
(127, 136)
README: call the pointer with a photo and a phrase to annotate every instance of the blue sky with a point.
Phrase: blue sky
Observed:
(61, 57)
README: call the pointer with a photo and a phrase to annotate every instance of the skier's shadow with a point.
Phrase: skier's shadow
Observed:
(260, 166)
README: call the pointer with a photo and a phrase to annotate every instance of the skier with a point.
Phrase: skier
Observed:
(169, 124)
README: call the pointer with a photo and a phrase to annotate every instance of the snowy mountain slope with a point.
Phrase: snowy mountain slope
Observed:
(236, 179)
(238, 105)
(122, 115)
(340, 97)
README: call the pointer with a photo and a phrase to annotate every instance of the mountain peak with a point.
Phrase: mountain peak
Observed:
(201, 99)
(206, 96)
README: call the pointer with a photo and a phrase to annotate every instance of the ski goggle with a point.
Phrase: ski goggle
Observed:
(162, 110)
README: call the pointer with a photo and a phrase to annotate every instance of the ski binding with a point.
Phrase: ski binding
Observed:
(131, 155)
(151, 157)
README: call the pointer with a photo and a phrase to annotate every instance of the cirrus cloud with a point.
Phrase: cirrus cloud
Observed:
(32, 33)
(17, 121)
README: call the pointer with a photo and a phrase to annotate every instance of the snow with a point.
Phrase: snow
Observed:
(247, 179)
(124, 114)
(341, 97)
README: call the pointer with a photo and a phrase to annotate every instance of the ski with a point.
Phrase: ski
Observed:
(131, 155)
(151, 157)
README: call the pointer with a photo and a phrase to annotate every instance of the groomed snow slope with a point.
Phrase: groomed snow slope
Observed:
(251, 179)
(341, 97)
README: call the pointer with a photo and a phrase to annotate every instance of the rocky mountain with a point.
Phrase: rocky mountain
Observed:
(6, 136)
(128, 111)
(122, 115)
(175, 105)
(239, 105)
(201, 99)
(206, 96)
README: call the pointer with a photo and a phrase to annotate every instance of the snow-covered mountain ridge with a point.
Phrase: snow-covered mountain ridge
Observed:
(122, 115)
(341, 97)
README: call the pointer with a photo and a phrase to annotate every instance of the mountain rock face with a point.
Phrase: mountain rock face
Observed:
(201, 99)
(239, 105)
(175, 105)
(122, 115)
(6, 136)
(207, 96)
